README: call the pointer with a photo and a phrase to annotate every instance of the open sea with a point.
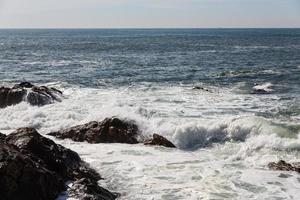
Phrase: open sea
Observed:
(226, 129)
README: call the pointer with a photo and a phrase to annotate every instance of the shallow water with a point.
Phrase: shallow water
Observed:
(225, 134)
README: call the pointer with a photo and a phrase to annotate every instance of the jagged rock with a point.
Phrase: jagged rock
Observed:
(22, 178)
(110, 130)
(52, 156)
(284, 166)
(10, 96)
(85, 189)
(160, 141)
(62, 163)
(25, 91)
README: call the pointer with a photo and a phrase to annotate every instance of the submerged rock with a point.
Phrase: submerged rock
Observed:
(25, 91)
(110, 130)
(265, 88)
(284, 166)
(47, 166)
(201, 88)
(260, 91)
(160, 141)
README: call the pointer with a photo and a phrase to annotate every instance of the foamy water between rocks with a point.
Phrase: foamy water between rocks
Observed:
(224, 144)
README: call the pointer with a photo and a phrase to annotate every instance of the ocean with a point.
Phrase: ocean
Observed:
(229, 99)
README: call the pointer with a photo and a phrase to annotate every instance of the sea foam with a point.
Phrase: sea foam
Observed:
(219, 144)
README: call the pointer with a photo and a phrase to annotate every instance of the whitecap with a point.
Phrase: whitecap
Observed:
(267, 87)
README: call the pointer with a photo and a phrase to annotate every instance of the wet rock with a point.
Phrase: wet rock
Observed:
(44, 151)
(86, 189)
(284, 166)
(22, 178)
(10, 96)
(201, 88)
(110, 130)
(64, 164)
(260, 91)
(23, 85)
(160, 141)
(25, 91)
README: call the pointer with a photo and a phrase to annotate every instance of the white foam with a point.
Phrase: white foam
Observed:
(139, 172)
(266, 87)
(204, 134)
(221, 141)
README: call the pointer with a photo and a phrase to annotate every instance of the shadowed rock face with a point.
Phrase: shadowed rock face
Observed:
(25, 91)
(44, 151)
(110, 130)
(22, 178)
(284, 166)
(34, 167)
(10, 96)
(160, 141)
(2, 137)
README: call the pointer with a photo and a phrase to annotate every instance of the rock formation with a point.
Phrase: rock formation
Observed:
(110, 130)
(160, 141)
(35, 167)
(25, 91)
(284, 166)
(22, 178)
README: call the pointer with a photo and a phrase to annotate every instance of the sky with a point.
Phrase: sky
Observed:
(149, 13)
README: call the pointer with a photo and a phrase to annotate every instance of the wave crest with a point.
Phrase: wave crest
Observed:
(199, 135)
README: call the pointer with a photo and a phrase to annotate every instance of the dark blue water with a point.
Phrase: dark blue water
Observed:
(96, 58)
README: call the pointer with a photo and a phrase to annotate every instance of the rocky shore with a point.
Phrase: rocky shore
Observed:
(110, 130)
(35, 167)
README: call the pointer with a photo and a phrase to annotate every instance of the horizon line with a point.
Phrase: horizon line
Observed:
(103, 28)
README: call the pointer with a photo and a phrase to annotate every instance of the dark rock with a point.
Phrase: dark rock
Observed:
(284, 166)
(10, 96)
(85, 189)
(2, 137)
(160, 141)
(43, 95)
(64, 164)
(23, 85)
(110, 130)
(22, 178)
(52, 156)
(260, 91)
(201, 88)
(25, 91)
